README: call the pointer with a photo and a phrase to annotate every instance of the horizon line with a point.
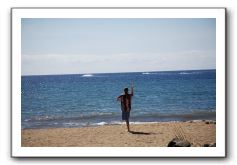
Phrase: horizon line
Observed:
(58, 74)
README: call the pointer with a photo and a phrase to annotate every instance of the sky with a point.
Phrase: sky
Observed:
(89, 45)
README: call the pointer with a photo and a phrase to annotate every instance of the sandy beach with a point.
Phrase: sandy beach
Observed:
(160, 134)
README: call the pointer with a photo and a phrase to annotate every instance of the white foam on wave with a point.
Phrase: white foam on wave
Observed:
(120, 123)
(75, 124)
(100, 123)
(189, 72)
(184, 73)
(78, 124)
(107, 123)
(138, 123)
(87, 75)
(116, 122)
(146, 73)
(44, 118)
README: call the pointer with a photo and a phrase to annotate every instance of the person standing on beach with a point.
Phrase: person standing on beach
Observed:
(126, 100)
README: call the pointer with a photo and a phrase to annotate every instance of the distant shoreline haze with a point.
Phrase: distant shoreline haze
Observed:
(58, 74)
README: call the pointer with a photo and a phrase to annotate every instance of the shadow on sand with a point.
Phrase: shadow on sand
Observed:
(140, 133)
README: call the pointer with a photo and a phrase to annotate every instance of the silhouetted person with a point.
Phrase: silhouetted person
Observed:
(126, 101)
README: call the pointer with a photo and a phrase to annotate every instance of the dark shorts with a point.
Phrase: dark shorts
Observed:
(125, 115)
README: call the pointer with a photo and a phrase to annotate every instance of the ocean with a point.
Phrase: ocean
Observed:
(79, 100)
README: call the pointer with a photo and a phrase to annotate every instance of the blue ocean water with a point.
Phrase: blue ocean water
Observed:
(86, 100)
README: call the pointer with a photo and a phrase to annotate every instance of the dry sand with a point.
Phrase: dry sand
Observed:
(143, 135)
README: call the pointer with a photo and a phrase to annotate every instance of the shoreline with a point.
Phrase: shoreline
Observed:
(99, 124)
(149, 134)
(105, 118)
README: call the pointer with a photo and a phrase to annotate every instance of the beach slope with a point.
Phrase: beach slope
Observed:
(160, 134)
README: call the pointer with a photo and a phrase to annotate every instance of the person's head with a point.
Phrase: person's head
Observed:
(126, 90)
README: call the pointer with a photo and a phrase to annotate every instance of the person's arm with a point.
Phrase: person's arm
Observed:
(119, 98)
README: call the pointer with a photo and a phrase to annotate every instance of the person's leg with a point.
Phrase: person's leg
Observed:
(127, 122)
(125, 116)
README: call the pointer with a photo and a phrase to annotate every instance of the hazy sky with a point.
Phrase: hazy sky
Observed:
(70, 46)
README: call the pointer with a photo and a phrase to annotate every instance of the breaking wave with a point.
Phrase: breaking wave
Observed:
(183, 73)
(87, 75)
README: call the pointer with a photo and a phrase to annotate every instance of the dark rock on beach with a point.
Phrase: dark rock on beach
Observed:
(179, 143)
(210, 122)
(206, 145)
(210, 145)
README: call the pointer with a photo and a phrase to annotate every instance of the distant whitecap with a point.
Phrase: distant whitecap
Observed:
(184, 73)
(189, 73)
(87, 75)
(146, 73)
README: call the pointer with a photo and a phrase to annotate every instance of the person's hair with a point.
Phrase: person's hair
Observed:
(126, 90)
